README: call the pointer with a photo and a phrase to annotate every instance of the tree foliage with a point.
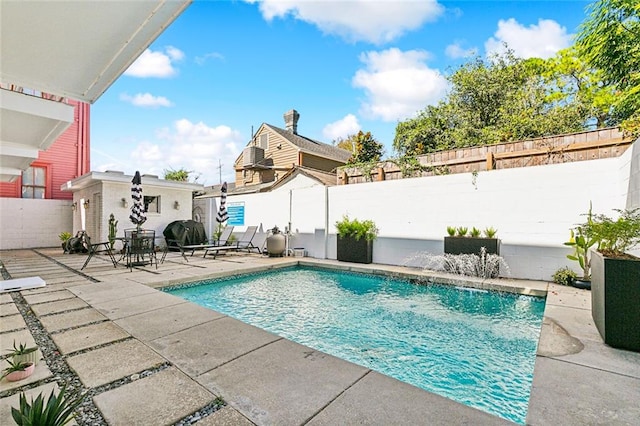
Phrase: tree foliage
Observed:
(494, 100)
(346, 144)
(609, 40)
(180, 175)
(367, 148)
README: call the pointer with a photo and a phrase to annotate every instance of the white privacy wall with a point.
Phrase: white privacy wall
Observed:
(532, 208)
(33, 223)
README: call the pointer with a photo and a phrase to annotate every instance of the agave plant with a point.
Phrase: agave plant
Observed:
(490, 232)
(56, 411)
(462, 231)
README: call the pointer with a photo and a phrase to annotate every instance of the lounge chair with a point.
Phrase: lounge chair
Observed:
(224, 240)
(94, 248)
(243, 243)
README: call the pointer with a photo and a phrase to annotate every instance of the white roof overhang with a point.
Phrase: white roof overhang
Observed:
(73, 49)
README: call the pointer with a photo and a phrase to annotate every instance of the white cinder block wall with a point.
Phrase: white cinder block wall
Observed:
(533, 209)
(29, 223)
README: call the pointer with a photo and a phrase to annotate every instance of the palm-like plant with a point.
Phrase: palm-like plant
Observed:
(56, 411)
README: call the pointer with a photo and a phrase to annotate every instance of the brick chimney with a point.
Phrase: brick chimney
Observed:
(291, 121)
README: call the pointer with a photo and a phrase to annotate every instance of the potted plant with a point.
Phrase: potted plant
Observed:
(22, 353)
(615, 279)
(56, 411)
(18, 370)
(462, 241)
(64, 237)
(355, 240)
(582, 240)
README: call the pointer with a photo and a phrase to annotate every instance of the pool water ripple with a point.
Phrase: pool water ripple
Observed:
(475, 347)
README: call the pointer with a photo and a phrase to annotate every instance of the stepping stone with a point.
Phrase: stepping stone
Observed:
(223, 417)
(8, 309)
(88, 337)
(160, 399)
(12, 322)
(58, 306)
(52, 296)
(113, 362)
(71, 319)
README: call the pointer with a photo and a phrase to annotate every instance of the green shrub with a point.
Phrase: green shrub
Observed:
(564, 276)
(616, 237)
(356, 228)
(451, 230)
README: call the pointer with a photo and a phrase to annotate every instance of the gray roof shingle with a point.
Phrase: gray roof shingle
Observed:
(313, 147)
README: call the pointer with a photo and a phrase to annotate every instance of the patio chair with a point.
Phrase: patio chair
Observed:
(95, 248)
(224, 240)
(243, 243)
(140, 246)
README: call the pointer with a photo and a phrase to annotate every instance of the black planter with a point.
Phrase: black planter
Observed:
(471, 245)
(581, 284)
(357, 251)
(615, 300)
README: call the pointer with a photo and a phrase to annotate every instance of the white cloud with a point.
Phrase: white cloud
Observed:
(397, 84)
(195, 147)
(156, 63)
(456, 51)
(174, 53)
(357, 20)
(213, 55)
(146, 100)
(348, 125)
(536, 41)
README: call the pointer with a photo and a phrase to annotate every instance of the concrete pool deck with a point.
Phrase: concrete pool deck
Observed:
(152, 358)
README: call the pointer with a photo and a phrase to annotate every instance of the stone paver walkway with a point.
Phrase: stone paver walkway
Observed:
(151, 358)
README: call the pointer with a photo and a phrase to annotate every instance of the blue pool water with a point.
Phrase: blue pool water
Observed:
(472, 346)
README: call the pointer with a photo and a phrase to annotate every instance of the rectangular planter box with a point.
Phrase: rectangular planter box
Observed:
(357, 251)
(615, 300)
(471, 245)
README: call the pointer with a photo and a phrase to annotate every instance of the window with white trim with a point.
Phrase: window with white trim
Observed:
(34, 181)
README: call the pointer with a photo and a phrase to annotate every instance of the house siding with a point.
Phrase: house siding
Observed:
(278, 159)
(319, 163)
(67, 158)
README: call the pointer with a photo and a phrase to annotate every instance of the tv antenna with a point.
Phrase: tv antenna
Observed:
(219, 171)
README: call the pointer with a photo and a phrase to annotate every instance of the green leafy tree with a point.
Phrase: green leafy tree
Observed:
(367, 148)
(493, 100)
(609, 39)
(347, 144)
(569, 79)
(180, 175)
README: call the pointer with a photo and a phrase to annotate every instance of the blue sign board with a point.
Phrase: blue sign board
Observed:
(236, 213)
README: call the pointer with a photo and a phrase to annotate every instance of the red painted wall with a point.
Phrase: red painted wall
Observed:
(67, 158)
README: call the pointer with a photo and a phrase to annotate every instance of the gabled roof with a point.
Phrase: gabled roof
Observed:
(325, 178)
(311, 146)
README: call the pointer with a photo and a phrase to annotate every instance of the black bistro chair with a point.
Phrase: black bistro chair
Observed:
(140, 248)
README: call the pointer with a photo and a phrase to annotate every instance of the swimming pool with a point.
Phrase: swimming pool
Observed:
(472, 346)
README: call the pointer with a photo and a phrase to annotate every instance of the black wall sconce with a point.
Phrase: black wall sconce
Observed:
(125, 204)
(176, 205)
(74, 206)
(86, 204)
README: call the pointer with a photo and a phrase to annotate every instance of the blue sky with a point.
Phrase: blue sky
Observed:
(224, 67)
